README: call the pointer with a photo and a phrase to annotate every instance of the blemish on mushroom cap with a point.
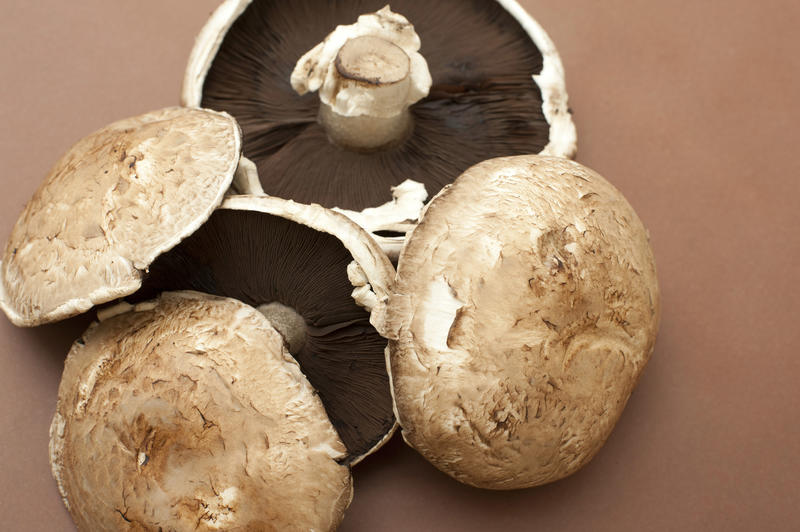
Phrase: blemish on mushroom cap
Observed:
(117, 199)
(468, 102)
(552, 333)
(179, 440)
(262, 250)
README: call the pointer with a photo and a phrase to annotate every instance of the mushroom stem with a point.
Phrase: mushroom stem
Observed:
(290, 324)
(377, 71)
(368, 75)
(364, 133)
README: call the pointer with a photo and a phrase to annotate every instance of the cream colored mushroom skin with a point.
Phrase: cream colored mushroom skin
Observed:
(119, 198)
(525, 309)
(188, 414)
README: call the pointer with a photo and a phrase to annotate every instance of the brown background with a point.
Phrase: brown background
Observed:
(690, 108)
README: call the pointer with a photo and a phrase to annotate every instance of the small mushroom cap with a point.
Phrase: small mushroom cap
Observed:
(526, 307)
(114, 202)
(188, 414)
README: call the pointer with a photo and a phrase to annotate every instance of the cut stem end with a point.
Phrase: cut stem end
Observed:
(288, 323)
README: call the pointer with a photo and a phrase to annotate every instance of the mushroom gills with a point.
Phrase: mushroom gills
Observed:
(483, 102)
(263, 259)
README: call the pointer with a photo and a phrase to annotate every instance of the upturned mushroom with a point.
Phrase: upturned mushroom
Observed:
(114, 202)
(187, 413)
(418, 92)
(526, 307)
(321, 281)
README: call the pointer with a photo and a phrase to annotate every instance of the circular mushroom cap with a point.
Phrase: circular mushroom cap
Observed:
(188, 414)
(319, 264)
(114, 202)
(526, 307)
(498, 89)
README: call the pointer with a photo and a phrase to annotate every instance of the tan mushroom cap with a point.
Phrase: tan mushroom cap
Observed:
(188, 414)
(526, 307)
(114, 202)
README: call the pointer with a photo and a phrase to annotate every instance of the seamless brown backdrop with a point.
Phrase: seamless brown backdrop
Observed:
(690, 108)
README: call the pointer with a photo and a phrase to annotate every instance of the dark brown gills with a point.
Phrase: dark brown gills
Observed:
(483, 102)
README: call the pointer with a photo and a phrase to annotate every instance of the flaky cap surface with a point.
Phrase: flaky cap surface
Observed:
(188, 414)
(115, 201)
(526, 306)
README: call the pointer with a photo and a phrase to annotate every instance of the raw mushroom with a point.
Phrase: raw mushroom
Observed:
(497, 89)
(188, 414)
(320, 279)
(526, 307)
(115, 201)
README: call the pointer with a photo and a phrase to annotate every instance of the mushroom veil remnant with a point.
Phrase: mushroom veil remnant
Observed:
(188, 414)
(114, 202)
(321, 281)
(414, 91)
(525, 308)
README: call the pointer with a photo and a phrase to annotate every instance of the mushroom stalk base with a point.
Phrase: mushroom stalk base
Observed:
(365, 133)
(290, 324)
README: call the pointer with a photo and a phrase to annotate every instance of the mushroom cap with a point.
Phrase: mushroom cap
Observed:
(525, 308)
(263, 250)
(188, 414)
(498, 89)
(117, 199)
